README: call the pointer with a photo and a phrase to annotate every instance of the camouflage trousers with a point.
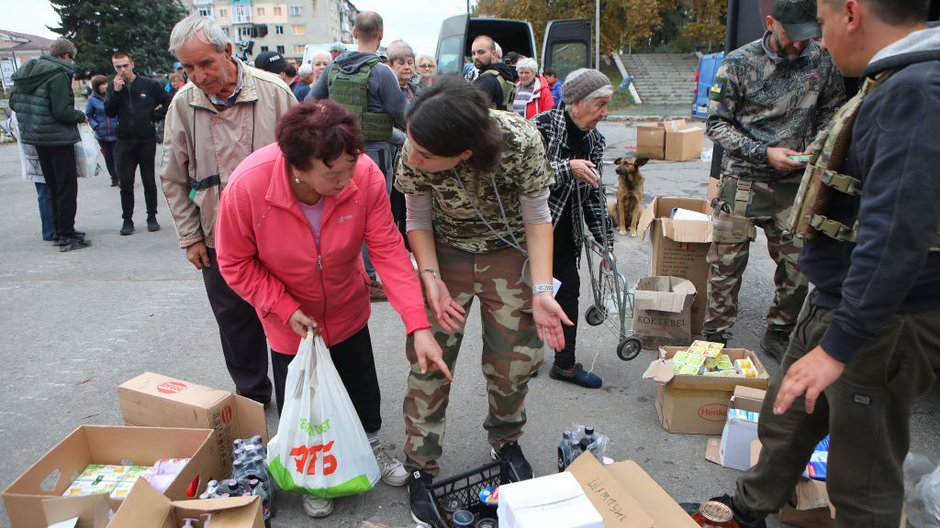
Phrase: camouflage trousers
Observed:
(511, 352)
(769, 209)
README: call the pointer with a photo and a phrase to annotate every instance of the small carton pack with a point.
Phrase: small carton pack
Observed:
(696, 403)
(733, 450)
(160, 401)
(678, 247)
(542, 501)
(55, 472)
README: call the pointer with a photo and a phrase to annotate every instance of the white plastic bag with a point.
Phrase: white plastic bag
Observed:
(86, 153)
(320, 448)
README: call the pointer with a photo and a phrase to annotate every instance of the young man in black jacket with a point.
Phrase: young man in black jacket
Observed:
(867, 342)
(138, 102)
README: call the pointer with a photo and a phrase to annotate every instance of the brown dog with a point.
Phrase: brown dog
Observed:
(629, 194)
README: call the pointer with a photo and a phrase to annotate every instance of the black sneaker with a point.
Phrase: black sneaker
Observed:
(127, 228)
(152, 224)
(73, 243)
(512, 453)
(419, 494)
(722, 336)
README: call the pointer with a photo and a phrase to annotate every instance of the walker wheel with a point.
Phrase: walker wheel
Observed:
(629, 348)
(595, 316)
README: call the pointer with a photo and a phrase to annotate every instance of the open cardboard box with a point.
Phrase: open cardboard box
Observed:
(733, 449)
(678, 247)
(92, 511)
(662, 311)
(156, 400)
(698, 404)
(145, 507)
(52, 474)
(626, 496)
(672, 140)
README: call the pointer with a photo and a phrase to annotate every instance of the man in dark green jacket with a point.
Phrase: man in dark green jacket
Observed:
(45, 108)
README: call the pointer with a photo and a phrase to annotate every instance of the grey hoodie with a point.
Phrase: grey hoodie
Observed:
(384, 94)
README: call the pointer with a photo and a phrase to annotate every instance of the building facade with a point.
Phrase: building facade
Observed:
(285, 26)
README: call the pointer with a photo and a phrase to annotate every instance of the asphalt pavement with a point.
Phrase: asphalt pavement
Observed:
(80, 323)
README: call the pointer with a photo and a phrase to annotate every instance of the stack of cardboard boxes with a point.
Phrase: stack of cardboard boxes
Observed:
(672, 140)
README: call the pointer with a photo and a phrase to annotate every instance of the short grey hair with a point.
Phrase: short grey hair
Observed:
(498, 50)
(399, 49)
(527, 63)
(603, 91)
(188, 29)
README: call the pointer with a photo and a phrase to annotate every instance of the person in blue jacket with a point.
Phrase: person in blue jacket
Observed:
(105, 127)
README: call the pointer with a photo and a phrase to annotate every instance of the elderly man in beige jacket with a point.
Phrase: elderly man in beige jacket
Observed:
(226, 112)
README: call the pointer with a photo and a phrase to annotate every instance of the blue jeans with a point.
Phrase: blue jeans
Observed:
(44, 197)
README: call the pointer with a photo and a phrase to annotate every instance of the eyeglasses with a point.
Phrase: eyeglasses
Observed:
(425, 65)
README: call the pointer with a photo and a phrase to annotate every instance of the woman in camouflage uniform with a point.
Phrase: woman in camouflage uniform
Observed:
(476, 182)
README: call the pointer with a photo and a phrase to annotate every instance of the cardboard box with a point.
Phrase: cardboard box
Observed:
(698, 404)
(685, 144)
(542, 501)
(650, 141)
(678, 247)
(809, 506)
(97, 444)
(92, 511)
(733, 449)
(662, 311)
(626, 496)
(155, 400)
(712, 190)
(147, 508)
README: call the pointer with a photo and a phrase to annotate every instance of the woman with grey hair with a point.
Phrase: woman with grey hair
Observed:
(401, 58)
(574, 148)
(533, 95)
(427, 70)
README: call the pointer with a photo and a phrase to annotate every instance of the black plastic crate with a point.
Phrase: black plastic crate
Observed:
(467, 487)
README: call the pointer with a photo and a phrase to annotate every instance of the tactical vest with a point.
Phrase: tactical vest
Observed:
(351, 90)
(822, 177)
(509, 88)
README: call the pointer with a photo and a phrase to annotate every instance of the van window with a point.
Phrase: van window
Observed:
(449, 60)
(567, 57)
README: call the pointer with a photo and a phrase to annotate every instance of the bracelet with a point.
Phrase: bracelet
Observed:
(432, 271)
(542, 288)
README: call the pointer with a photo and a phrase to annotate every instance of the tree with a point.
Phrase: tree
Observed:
(708, 24)
(98, 28)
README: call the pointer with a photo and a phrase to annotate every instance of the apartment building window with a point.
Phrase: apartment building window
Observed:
(296, 11)
(264, 48)
(298, 49)
(221, 13)
(244, 31)
(204, 11)
(280, 49)
(241, 14)
(278, 11)
(226, 30)
(260, 11)
(278, 30)
(298, 29)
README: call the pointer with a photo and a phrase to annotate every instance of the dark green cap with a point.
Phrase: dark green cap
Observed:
(798, 18)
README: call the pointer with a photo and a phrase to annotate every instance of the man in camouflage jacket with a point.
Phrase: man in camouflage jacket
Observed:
(769, 99)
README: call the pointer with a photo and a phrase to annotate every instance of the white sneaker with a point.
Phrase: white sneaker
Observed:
(393, 472)
(317, 506)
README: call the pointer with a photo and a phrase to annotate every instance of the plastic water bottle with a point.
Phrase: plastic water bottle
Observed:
(564, 456)
(267, 507)
(588, 438)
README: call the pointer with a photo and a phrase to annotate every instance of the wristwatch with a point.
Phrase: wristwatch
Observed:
(541, 288)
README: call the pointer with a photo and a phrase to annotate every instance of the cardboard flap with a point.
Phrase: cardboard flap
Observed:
(251, 417)
(660, 371)
(233, 512)
(690, 231)
(811, 494)
(643, 224)
(665, 511)
(615, 505)
(143, 502)
(713, 449)
(678, 230)
(91, 510)
(663, 294)
(748, 398)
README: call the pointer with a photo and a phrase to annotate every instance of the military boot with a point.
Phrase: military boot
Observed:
(775, 343)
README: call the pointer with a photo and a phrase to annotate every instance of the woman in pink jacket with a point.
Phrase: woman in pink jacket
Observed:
(289, 230)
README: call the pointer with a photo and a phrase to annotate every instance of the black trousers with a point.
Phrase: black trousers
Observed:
(108, 150)
(130, 155)
(243, 342)
(565, 269)
(356, 367)
(61, 174)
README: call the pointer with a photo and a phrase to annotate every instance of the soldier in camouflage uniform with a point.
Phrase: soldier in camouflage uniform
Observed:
(479, 226)
(769, 99)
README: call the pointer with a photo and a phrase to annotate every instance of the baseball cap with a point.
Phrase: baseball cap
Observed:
(798, 18)
(177, 65)
(270, 61)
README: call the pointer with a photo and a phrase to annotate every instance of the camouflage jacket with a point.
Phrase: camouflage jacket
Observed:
(458, 194)
(757, 102)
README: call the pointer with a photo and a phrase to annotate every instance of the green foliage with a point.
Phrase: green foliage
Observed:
(100, 27)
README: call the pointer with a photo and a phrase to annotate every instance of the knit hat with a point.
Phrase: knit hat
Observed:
(582, 83)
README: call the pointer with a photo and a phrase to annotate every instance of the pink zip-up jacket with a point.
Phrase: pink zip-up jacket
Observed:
(268, 255)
